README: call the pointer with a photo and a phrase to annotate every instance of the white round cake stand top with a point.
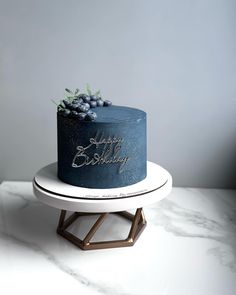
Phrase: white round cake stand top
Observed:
(50, 190)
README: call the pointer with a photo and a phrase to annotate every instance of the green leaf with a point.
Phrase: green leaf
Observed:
(69, 97)
(62, 104)
(55, 102)
(97, 93)
(76, 91)
(68, 90)
(59, 106)
(88, 89)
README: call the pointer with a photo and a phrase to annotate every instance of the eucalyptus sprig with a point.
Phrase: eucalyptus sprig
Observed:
(98, 93)
(70, 95)
(60, 105)
(88, 89)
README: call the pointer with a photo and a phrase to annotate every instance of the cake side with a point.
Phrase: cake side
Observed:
(106, 153)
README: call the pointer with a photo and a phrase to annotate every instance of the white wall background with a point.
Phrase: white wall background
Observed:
(174, 59)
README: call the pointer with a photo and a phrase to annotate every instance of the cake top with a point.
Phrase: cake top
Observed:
(79, 105)
(119, 114)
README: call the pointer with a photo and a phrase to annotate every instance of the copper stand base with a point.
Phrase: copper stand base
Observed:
(138, 224)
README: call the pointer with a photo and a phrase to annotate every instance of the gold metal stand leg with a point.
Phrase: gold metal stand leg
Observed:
(138, 224)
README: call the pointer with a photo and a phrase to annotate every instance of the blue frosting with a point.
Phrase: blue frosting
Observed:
(106, 153)
(118, 114)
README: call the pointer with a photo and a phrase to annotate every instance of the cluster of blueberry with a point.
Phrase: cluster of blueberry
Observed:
(79, 106)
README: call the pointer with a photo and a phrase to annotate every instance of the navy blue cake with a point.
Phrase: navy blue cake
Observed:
(105, 151)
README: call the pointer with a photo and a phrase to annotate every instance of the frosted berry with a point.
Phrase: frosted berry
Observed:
(83, 97)
(100, 103)
(87, 106)
(74, 114)
(107, 103)
(93, 97)
(65, 113)
(91, 116)
(81, 108)
(81, 116)
(93, 104)
(86, 98)
(74, 106)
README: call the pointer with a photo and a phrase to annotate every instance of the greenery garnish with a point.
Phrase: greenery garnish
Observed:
(88, 90)
(68, 90)
(98, 93)
(60, 106)
(71, 95)
(79, 105)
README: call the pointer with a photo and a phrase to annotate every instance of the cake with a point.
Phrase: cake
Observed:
(103, 148)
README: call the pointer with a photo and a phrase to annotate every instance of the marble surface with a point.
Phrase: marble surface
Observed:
(188, 247)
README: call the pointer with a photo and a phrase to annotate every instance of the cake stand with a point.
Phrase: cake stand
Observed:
(87, 201)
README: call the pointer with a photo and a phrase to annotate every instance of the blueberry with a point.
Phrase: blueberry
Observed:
(107, 103)
(86, 98)
(75, 100)
(91, 116)
(100, 102)
(86, 105)
(80, 108)
(93, 97)
(93, 104)
(74, 106)
(65, 113)
(83, 108)
(91, 112)
(78, 100)
(74, 114)
(81, 116)
(70, 106)
(83, 97)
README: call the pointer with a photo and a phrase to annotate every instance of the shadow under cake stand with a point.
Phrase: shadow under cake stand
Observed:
(86, 201)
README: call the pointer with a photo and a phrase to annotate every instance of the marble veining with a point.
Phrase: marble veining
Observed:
(188, 247)
(184, 222)
(103, 289)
